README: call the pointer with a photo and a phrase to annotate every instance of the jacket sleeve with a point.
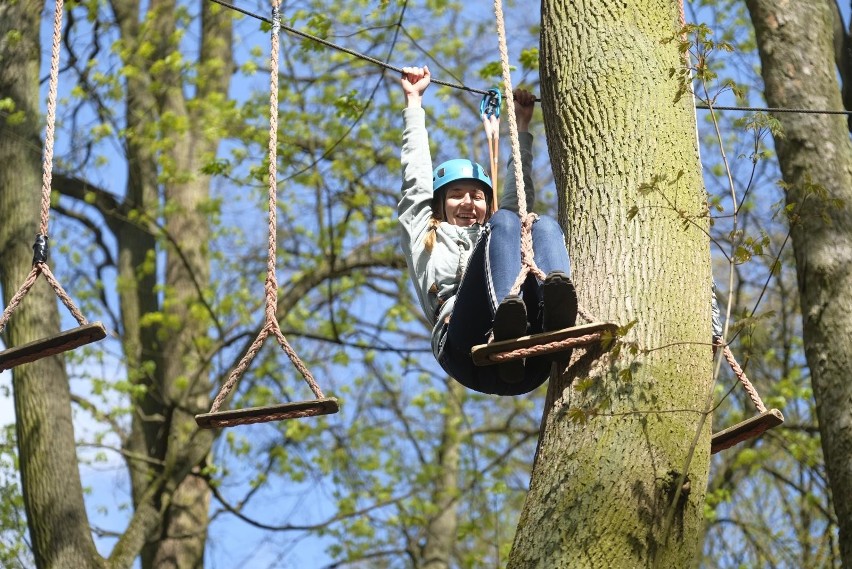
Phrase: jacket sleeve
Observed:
(415, 205)
(509, 197)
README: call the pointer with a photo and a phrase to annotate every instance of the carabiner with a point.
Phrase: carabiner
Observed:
(491, 103)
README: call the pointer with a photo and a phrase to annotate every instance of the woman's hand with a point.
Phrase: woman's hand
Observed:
(414, 81)
(524, 108)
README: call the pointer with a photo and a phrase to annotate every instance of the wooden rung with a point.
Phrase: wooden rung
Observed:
(481, 353)
(745, 430)
(280, 412)
(62, 342)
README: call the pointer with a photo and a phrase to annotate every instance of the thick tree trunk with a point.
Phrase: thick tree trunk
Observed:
(602, 491)
(173, 372)
(185, 378)
(53, 494)
(797, 56)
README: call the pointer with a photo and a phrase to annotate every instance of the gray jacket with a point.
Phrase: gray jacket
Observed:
(436, 275)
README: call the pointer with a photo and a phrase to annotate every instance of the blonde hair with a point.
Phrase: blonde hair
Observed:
(436, 219)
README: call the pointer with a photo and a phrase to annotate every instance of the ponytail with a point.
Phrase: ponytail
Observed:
(436, 219)
(431, 233)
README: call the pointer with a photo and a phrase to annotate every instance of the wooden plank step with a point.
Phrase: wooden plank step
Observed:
(280, 412)
(481, 353)
(62, 342)
(745, 430)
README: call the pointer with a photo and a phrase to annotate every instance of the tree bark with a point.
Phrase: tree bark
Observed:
(815, 154)
(176, 380)
(615, 452)
(441, 531)
(53, 494)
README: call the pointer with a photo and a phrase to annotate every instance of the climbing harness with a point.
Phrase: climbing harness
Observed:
(489, 111)
(549, 342)
(85, 333)
(752, 427)
(322, 405)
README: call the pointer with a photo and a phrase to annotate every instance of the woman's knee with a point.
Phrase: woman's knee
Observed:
(547, 226)
(504, 219)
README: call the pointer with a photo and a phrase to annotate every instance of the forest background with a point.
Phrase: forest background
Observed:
(367, 485)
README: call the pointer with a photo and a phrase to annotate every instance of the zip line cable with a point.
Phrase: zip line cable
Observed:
(338, 47)
(462, 87)
(772, 110)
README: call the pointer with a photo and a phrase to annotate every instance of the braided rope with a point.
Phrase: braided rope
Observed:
(39, 263)
(527, 219)
(47, 164)
(63, 296)
(548, 348)
(19, 296)
(741, 376)
(271, 325)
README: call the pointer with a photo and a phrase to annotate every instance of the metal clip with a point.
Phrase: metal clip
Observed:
(491, 103)
(40, 249)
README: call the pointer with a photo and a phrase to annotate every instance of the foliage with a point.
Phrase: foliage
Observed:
(363, 485)
(14, 550)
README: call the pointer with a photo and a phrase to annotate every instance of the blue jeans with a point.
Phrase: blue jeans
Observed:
(491, 271)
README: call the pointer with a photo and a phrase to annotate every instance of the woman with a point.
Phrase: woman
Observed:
(464, 257)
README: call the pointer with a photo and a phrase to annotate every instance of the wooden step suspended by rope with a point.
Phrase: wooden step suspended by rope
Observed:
(321, 405)
(548, 342)
(86, 333)
(52, 345)
(250, 415)
(545, 343)
(750, 428)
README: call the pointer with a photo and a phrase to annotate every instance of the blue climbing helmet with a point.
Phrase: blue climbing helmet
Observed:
(459, 169)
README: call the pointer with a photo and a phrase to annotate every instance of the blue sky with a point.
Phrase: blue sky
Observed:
(231, 542)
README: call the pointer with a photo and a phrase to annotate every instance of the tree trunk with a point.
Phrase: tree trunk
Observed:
(617, 434)
(441, 532)
(53, 494)
(815, 154)
(175, 376)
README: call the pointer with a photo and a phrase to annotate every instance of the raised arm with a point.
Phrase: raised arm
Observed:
(524, 108)
(414, 209)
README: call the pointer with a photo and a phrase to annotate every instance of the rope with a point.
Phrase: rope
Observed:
(527, 219)
(772, 110)
(40, 247)
(340, 48)
(47, 164)
(548, 348)
(271, 325)
(741, 376)
(461, 87)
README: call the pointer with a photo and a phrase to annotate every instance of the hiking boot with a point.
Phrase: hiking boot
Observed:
(510, 321)
(560, 302)
(560, 309)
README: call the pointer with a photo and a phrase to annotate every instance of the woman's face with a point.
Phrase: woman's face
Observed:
(465, 204)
